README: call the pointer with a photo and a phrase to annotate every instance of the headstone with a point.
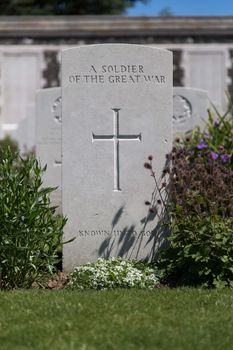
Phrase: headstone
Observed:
(26, 132)
(189, 109)
(22, 135)
(206, 68)
(20, 77)
(48, 139)
(116, 110)
(31, 128)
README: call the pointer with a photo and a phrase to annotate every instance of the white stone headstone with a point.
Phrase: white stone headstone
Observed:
(116, 110)
(206, 68)
(26, 131)
(48, 139)
(19, 79)
(22, 135)
(31, 122)
(189, 109)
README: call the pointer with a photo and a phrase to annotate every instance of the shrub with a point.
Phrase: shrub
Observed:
(30, 235)
(113, 273)
(216, 142)
(200, 252)
(200, 185)
(201, 240)
(7, 143)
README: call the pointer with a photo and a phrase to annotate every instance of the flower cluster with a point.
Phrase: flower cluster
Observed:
(201, 240)
(113, 273)
(216, 142)
(202, 145)
(221, 155)
(200, 186)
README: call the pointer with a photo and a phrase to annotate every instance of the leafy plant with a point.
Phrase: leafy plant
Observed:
(201, 178)
(200, 252)
(200, 185)
(216, 141)
(7, 143)
(30, 234)
(113, 273)
(201, 240)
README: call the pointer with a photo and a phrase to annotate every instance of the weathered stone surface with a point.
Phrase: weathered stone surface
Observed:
(116, 110)
(189, 109)
(206, 69)
(26, 132)
(48, 138)
(22, 135)
(19, 73)
(30, 52)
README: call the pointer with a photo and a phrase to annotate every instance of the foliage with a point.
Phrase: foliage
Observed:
(201, 251)
(216, 142)
(201, 241)
(200, 185)
(113, 273)
(30, 235)
(7, 143)
(201, 178)
(65, 7)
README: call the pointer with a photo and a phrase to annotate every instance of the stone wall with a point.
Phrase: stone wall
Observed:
(30, 52)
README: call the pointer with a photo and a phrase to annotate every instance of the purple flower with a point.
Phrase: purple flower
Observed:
(216, 122)
(202, 145)
(213, 155)
(225, 158)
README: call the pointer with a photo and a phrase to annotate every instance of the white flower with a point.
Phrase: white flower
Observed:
(113, 272)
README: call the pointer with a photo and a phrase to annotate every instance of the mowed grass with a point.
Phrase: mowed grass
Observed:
(120, 319)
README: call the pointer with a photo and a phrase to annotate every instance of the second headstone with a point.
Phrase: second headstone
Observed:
(48, 139)
(189, 109)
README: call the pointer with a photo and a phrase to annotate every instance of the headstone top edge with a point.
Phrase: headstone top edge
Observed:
(189, 88)
(93, 46)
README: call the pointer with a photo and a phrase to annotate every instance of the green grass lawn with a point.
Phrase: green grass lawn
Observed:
(121, 319)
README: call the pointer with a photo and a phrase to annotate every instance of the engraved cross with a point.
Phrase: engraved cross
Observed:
(116, 137)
